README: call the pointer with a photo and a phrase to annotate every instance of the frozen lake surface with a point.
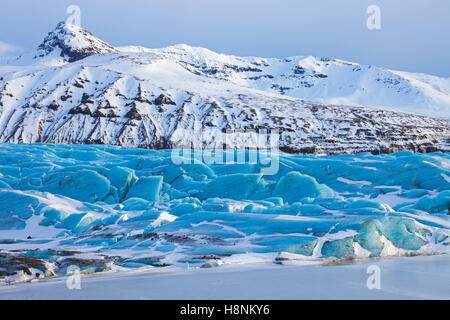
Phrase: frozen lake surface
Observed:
(425, 277)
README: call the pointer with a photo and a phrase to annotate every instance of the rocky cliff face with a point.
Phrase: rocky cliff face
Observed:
(71, 43)
(78, 89)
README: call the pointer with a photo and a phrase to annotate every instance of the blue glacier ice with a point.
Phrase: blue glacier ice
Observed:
(135, 207)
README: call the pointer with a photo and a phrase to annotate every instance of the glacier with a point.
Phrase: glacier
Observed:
(105, 208)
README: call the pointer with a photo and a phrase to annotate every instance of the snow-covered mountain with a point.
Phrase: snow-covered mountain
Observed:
(76, 88)
(322, 80)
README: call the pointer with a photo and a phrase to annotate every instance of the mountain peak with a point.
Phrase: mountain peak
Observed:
(72, 43)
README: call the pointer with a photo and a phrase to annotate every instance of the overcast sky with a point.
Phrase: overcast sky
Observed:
(414, 35)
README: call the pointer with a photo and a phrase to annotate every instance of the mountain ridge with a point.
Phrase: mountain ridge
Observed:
(78, 89)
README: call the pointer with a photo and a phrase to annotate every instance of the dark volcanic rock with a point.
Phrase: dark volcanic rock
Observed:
(163, 99)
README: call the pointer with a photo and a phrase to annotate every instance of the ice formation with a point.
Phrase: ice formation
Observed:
(102, 206)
